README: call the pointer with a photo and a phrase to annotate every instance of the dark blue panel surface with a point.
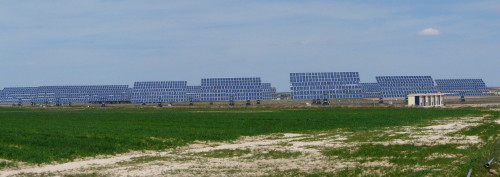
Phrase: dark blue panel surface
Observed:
(462, 87)
(323, 85)
(159, 91)
(401, 86)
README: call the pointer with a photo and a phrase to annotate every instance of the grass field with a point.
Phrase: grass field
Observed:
(47, 135)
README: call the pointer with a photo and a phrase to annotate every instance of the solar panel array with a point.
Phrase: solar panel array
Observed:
(401, 86)
(316, 85)
(88, 93)
(20, 94)
(159, 91)
(459, 87)
(323, 85)
(370, 90)
(64, 94)
(222, 89)
(193, 93)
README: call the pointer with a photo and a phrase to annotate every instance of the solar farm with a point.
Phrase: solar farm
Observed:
(303, 86)
(331, 125)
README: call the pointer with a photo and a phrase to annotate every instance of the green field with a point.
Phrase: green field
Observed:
(47, 135)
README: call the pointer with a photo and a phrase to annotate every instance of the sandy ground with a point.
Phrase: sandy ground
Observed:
(472, 105)
(191, 160)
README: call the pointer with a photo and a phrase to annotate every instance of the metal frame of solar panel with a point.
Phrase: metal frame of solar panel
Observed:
(224, 89)
(370, 90)
(19, 94)
(159, 91)
(87, 93)
(273, 92)
(193, 93)
(401, 86)
(325, 85)
(462, 87)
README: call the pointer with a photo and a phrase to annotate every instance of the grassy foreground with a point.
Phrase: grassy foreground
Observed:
(45, 135)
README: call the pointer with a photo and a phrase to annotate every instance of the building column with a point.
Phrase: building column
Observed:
(441, 100)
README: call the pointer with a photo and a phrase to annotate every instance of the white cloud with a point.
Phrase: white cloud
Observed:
(429, 32)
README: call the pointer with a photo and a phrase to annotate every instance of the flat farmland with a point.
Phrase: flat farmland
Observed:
(248, 142)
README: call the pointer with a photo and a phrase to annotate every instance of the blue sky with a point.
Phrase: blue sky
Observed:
(60, 42)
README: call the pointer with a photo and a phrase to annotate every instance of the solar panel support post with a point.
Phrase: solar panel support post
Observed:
(159, 103)
(231, 101)
(88, 100)
(58, 102)
(103, 102)
(19, 103)
(406, 99)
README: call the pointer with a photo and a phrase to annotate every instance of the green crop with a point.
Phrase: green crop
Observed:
(46, 135)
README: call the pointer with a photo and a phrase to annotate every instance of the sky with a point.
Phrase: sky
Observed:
(94, 42)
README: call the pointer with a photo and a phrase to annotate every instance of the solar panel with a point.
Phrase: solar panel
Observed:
(401, 86)
(159, 91)
(193, 93)
(1, 96)
(267, 91)
(323, 85)
(370, 90)
(462, 87)
(87, 93)
(20, 94)
(223, 89)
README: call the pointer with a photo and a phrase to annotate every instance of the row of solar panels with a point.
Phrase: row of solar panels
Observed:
(320, 85)
(212, 89)
(317, 85)
(401, 86)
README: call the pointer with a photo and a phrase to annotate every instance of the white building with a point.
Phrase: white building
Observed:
(426, 99)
